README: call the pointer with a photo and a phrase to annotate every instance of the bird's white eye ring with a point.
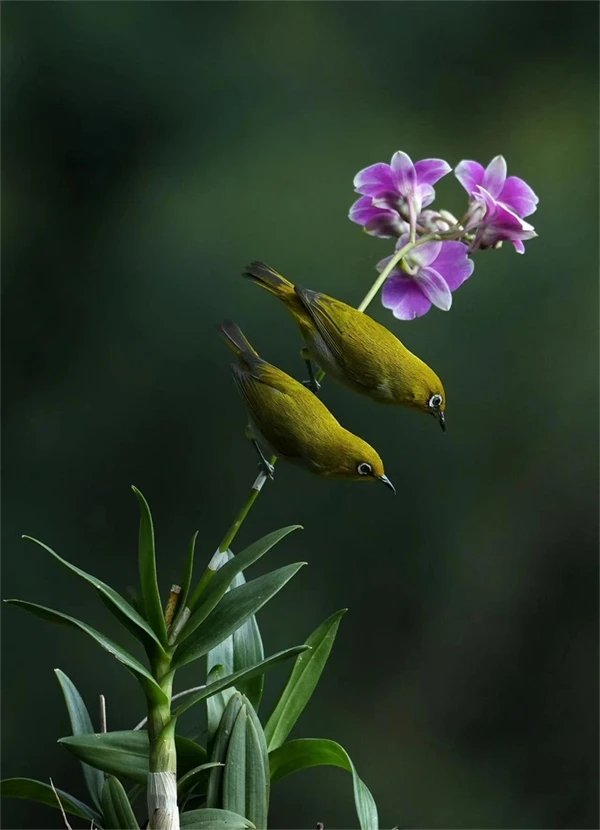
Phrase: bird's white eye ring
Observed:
(435, 401)
(364, 469)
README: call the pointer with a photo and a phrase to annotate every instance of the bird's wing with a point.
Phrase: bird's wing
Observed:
(316, 306)
(276, 413)
(360, 346)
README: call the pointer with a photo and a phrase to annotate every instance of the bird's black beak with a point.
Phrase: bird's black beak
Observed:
(442, 419)
(388, 483)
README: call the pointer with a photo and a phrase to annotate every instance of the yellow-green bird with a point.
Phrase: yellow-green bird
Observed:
(354, 348)
(293, 423)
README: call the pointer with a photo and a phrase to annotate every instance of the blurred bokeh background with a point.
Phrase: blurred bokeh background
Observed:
(150, 150)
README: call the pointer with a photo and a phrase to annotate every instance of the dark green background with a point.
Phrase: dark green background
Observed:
(150, 150)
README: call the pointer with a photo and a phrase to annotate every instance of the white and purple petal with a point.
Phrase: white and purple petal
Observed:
(376, 179)
(495, 176)
(430, 171)
(470, 174)
(518, 196)
(425, 194)
(376, 221)
(404, 172)
(426, 253)
(404, 297)
(434, 287)
(454, 264)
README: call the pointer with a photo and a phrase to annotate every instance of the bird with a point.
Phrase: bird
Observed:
(354, 348)
(292, 422)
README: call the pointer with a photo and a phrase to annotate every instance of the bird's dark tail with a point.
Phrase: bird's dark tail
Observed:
(236, 339)
(269, 279)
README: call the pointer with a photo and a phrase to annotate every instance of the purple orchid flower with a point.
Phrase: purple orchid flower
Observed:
(394, 194)
(430, 273)
(497, 205)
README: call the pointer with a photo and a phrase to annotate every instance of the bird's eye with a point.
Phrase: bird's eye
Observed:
(364, 469)
(435, 401)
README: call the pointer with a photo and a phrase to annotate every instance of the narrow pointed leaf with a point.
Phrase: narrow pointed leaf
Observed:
(216, 704)
(224, 576)
(302, 683)
(149, 685)
(116, 808)
(232, 679)
(32, 790)
(81, 724)
(214, 794)
(147, 567)
(241, 649)
(187, 576)
(123, 610)
(187, 781)
(258, 779)
(233, 610)
(125, 753)
(213, 819)
(304, 753)
(234, 773)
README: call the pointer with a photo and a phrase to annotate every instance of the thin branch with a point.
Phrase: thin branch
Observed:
(64, 815)
(102, 713)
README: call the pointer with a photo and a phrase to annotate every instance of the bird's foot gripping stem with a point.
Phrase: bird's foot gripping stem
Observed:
(264, 464)
(312, 382)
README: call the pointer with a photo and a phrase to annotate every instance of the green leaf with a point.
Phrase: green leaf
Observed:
(187, 580)
(187, 781)
(232, 679)
(125, 754)
(258, 780)
(147, 567)
(241, 649)
(190, 755)
(303, 680)
(119, 606)
(32, 790)
(232, 611)
(303, 753)
(213, 819)
(234, 773)
(219, 750)
(245, 777)
(81, 724)
(149, 685)
(216, 704)
(116, 808)
(224, 576)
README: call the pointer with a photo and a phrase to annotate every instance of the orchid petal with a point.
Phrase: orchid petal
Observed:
(405, 173)
(380, 222)
(469, 174)
(495, 176)
(382, 263)
(430, 171)
(519, 196)
(519, 246)
(373, 180)
(435, 288)
(454, 264)
(403, 296)
(426, 194)
(426, 253)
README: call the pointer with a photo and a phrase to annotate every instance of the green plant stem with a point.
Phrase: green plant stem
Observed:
(162, 744)
(364, 304)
